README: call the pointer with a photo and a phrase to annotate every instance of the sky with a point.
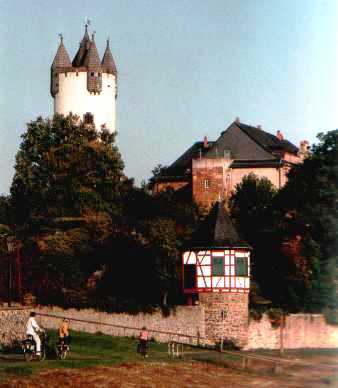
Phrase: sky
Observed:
(186, 69)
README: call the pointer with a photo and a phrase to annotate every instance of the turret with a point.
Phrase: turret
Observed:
(83, 49)
(108, 64)
(93, 64)
(60, 63)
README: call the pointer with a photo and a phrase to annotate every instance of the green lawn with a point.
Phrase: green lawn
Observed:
(86, 350)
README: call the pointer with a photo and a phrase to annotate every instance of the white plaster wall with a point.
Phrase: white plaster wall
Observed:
(74, 97)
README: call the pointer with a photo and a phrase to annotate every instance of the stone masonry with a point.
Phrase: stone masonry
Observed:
(226, 316)
(13, 325)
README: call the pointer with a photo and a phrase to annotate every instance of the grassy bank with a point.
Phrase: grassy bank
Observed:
(86, 350)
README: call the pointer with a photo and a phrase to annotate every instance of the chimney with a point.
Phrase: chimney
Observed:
(237, 120)
(259, 126)
(205, 142)
(280, 135)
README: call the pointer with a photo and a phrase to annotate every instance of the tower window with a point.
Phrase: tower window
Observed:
(207, 183)
(217, 266)
(88, 118)
(241, 267)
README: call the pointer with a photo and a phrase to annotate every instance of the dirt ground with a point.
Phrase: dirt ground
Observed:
(182, 374)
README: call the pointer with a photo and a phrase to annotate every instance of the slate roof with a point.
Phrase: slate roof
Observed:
(61, 58)
(92, 58)
(217, 230)
(108, 60)
(81, 54)
(266, 140)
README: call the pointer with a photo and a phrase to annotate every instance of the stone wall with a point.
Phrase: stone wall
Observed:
(185, 320)
(300, 331)
(226, 316)
(13, 325)
(204, 322)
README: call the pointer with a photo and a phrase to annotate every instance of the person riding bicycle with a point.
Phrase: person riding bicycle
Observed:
(64, 332)
(33, 329)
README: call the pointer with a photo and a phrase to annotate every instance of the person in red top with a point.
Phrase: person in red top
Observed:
(143, 345)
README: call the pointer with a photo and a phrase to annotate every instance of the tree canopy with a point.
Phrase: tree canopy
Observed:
(66, 168)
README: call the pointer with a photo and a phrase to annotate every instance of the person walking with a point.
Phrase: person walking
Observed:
(143, 345)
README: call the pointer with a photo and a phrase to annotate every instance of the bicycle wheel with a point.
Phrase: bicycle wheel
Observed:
(63, 354)
(28, 356)
(43, 355)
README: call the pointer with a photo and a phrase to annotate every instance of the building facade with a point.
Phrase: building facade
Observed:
(87, 86)
(211, 170)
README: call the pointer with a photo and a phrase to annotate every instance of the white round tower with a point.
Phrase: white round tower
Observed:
(87, 86)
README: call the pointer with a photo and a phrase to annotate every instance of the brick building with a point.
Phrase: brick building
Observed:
(210, 170)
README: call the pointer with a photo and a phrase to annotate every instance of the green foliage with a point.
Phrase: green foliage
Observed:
(66, 168)
(307, 207)
(251, 205)
(294, 231)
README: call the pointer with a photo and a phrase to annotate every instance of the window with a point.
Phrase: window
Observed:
(207, 183)
(92, 74)
(55, 75)
(241, 268)
(99, 74)
(88, 118)
(217, 266)
(189, 276)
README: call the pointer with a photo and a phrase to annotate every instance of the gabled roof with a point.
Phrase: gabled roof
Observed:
(80, 56)
(267, 140)
(246, 142)
(108, 60)
(61, 58)
(92, 58)
(217, 230)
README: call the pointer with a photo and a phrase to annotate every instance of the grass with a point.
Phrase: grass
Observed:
(87, 350)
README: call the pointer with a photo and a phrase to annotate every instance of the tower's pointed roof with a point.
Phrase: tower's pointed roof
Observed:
(92, 58)
(61, 58)
(217, 230)
(81, 54)
(108, 60)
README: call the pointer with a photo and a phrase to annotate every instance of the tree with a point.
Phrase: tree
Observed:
(66, 168)
(307, 213)
(67, 194)
(162, 241)
(251, 206)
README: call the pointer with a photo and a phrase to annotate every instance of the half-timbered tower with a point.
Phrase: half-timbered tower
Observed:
(87, 86)
(216, 270)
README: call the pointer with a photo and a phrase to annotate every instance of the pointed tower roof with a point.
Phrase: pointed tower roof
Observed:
(61, 58)
(92, 58)
(108, 60)
(80, 56)
(217, 230)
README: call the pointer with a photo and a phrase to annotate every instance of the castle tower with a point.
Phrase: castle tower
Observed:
(86, 86)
